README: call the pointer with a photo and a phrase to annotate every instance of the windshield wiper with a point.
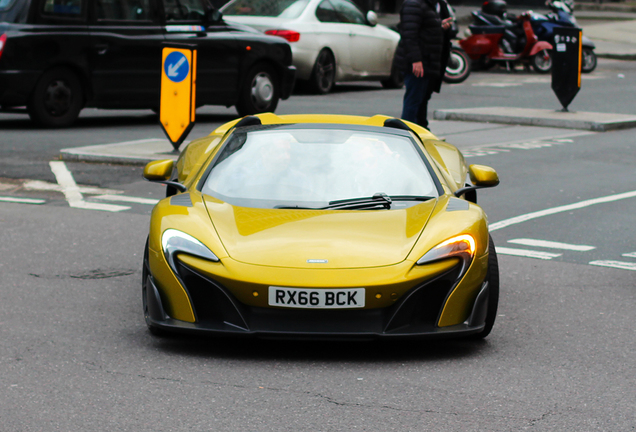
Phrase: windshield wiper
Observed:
(377, 201)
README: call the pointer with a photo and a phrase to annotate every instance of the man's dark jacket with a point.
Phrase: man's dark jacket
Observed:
(422, 39)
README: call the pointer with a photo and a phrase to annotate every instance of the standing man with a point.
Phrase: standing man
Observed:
(422, 53)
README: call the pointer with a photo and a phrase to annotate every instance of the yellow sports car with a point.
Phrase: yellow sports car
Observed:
(320, 226)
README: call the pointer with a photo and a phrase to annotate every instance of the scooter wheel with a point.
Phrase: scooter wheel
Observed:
(541, 62)
(458, 67)
(589, 60)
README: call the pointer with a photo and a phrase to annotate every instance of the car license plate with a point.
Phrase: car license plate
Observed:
(316, 298)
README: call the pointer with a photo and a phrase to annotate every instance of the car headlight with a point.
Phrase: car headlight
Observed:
(462, 247)
(174, 242)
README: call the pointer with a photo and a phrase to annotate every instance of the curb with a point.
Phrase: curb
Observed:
(595, 122)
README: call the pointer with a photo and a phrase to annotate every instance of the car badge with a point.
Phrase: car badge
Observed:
(317, 261)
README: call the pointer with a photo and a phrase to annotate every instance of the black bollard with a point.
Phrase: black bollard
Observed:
(566, 64)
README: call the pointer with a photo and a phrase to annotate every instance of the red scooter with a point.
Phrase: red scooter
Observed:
(486, 47)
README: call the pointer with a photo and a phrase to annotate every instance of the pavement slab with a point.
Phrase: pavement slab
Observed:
(138, 152)
(592, 121)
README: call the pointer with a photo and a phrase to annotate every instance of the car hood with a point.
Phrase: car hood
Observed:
(318, 238)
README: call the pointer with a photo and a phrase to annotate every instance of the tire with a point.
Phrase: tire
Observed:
(541, 62)
(57, 99)
(493, 291)
(589, 60)
(145, 272)
(323, 77)
(458, 68)
(260, 91)
(395, 81)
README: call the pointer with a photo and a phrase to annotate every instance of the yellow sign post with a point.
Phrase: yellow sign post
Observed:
(178, 90)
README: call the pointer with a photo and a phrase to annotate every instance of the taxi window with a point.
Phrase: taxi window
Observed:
(185, 10)
(123, 10)
(64, 8)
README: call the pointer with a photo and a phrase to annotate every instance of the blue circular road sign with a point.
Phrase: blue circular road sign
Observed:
(176, 66)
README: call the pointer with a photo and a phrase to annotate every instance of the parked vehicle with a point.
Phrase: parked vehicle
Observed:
(496, 38)
(458, 68)
(59, 57)
(331, 40)
(562, 16)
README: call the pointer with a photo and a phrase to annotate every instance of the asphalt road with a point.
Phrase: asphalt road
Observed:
(75, 354)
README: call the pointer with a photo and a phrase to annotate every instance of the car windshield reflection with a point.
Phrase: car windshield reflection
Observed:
(311, 168)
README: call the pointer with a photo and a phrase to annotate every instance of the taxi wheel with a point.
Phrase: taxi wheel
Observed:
(260, 92)
(323, 76)
(493, 291)
(57, 99)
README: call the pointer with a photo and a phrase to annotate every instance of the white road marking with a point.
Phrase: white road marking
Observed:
(538, 143)
(547, 212)
(630, 255)
(497, 84)
(615, 264)
(551, 244)
(72, 193)
(22, 200)
(130, 199)
(526, 253)
(46, 186)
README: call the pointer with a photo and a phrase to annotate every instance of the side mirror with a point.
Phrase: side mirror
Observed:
(213, 15)
(482, 177)
(372, 18)
(160, 172)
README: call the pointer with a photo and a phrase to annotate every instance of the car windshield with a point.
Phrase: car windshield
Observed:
(270, 8)
(278, 167)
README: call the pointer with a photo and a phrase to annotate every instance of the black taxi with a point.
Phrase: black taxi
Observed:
(59, 56)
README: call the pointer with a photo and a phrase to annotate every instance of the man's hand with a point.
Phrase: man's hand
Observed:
(418, 69)
(446, 23)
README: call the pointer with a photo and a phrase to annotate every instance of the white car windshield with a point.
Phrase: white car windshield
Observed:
(304, 167)
(269, 8)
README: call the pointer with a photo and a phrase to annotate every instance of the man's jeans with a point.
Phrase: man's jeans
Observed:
(416, 96)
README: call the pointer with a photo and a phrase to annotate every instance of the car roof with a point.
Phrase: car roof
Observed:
(329, 120)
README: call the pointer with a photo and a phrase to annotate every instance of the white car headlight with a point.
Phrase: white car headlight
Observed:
(174, 241)
(462, 247)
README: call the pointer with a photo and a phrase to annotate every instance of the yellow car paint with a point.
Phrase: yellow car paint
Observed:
(385, 266)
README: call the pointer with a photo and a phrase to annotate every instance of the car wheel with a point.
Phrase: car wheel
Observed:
(458, 67)
(395, 81)
(541, 62)
(324, 74)
(145, 272)
(260, 92)
(493, 291)
(57, 99)
(589, 60)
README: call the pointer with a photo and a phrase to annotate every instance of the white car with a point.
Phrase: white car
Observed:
(332, 41)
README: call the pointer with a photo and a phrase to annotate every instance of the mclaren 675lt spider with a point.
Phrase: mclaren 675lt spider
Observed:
(320, 226)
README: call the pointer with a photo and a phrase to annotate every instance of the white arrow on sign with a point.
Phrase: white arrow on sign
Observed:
(173, 68)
